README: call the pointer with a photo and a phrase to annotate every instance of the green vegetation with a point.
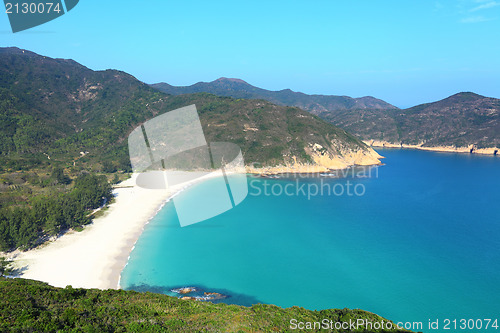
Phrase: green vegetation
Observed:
(47, 215)
(63, 136)
(460, 120)
(31, 306)
(5, 266)
(266, 133)
(55, 110)
(59, 120)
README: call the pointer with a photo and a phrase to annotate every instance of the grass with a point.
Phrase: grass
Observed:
(32, 306)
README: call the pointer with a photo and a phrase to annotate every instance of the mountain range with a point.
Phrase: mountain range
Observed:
(58, 109)
(237, 88)
(462, 120)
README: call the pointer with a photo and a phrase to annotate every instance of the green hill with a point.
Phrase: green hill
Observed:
(60, 109)
(31, 306)
(460, 120)
(59, 119)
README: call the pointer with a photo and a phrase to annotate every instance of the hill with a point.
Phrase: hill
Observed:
(462, 120)
(60, 120)
(60, 109)
(313, 103)
(31, 306)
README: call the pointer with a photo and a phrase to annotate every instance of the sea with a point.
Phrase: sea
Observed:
(415, 240)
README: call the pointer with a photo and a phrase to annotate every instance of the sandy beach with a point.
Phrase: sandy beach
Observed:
(95, 257)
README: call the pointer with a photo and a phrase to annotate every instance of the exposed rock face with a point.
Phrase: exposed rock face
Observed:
(324, 162)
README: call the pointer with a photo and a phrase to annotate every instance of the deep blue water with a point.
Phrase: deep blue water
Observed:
(423, 242)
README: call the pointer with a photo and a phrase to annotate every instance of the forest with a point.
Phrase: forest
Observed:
(41, 216)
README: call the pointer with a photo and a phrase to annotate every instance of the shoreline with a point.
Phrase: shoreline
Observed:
(471, 149)
(323, 163)
(96, 256)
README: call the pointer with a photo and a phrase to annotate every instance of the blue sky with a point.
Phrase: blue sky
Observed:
(405, 52)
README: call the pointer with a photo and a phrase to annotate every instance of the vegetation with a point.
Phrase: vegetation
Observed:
(57, 110)
(60, 120)
(4, 266)
(459, 120)
(267, 134)
(27, 306)
(47, 215)
(62, 124)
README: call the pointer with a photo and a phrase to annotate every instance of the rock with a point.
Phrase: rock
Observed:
(185, 290)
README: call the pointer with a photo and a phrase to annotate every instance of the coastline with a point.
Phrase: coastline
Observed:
(471, 149)
(323, 163)
(95, 256)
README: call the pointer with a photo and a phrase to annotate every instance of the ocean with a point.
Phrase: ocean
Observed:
(413, 240)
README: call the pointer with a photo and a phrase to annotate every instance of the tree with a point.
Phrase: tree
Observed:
(108, 167)
(4, 266)
(91, 191)
(59, 176)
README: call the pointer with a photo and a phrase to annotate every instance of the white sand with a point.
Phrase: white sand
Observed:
(95, 257)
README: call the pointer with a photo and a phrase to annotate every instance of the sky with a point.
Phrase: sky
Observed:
(404, 52)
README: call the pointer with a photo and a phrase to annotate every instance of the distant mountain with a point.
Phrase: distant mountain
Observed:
(60, 109)
(315, 104)
(460, 120)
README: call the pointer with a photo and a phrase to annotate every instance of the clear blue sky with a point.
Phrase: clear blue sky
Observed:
(405, 52)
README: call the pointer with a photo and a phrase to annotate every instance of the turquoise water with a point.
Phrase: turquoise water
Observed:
(423, 242)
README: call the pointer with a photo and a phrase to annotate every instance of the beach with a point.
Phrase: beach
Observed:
(95, 257)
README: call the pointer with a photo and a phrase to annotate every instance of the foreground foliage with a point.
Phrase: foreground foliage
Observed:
(27, 306)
